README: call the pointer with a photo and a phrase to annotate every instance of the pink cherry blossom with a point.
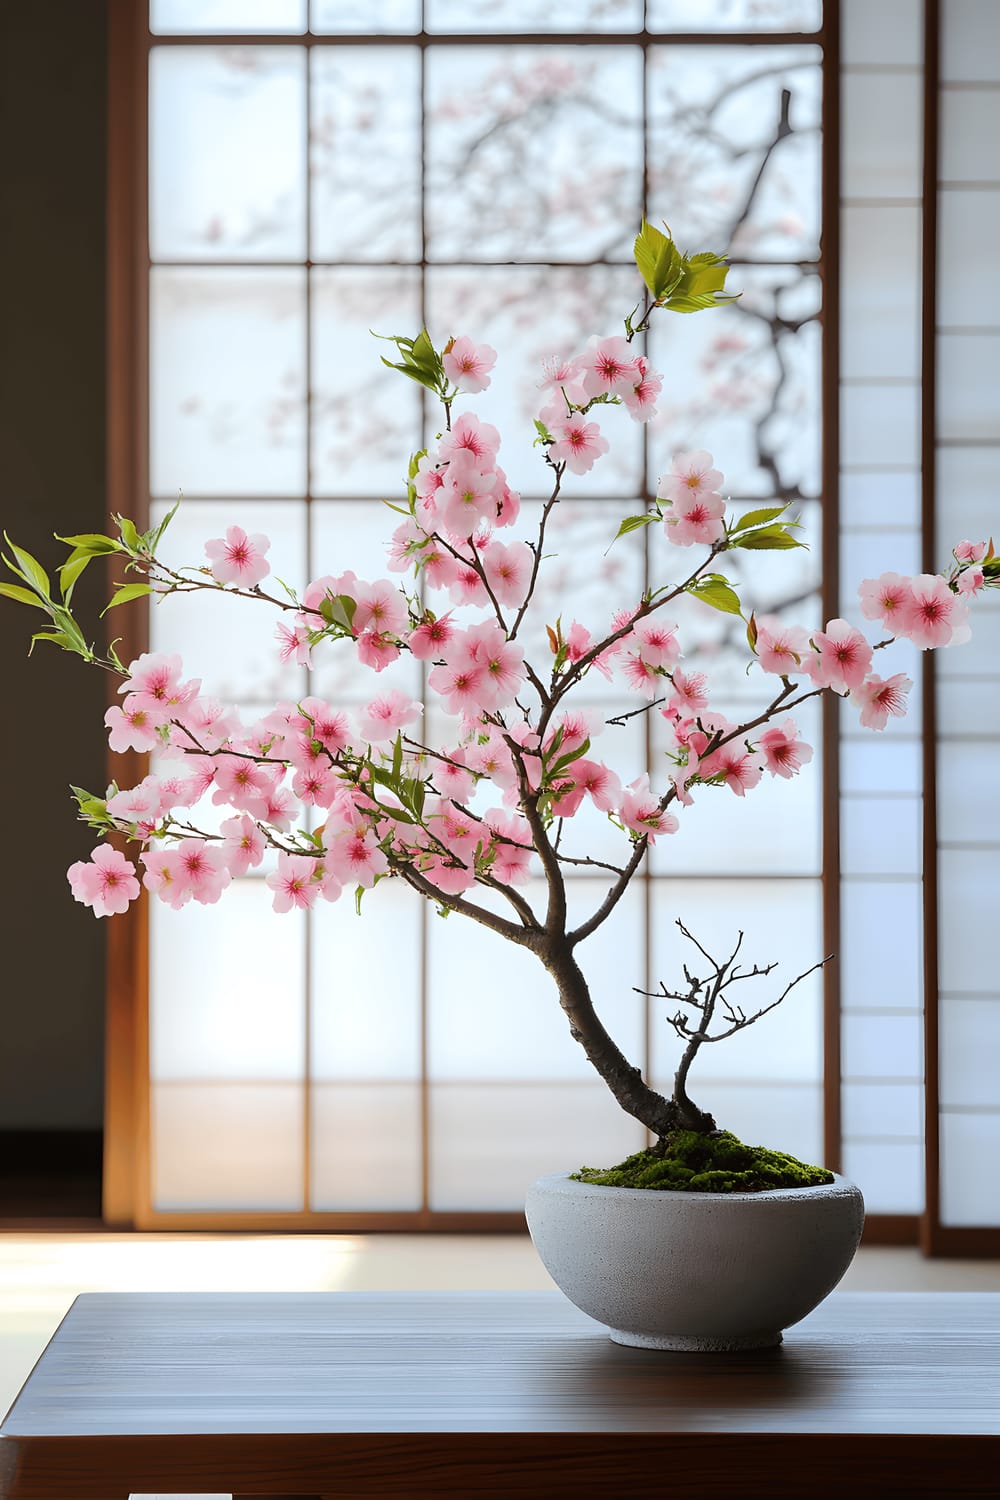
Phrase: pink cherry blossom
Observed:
(971, 551)
(695, 518)
(466, 500)
(878, 698)
(292, 882)
(204, 869)
(452, 778)
(316, 785)
(561, 375)
(323, 723)
(431, 638)
(934, 617)
(377, 651)
(692, 476)
(450, 875)
(578, 443)
(608, 367)
(508, 571)
(491, 756)
(641, 399)
(408, 543)
(383, 717)
(640, 675)
(578, 639)
(886, 598)
(470, 439)
(739, 767)
(293, 643)
(205, 722)
(970, 581)
(154, 679)
(243, 844)
(641, 812)
(658, 644)
(467, 586)
(355, 858)
(238, 780)
(600, 783)
(508, 501)
(460, 682)
(781, 648)
(502, 660)
(106, 882)
(844, 657)
(455, 829)
(140, 804)
(165, 877)
(239, 558)
(512, 847)
(277, 806)
(784, 753)
(468, 365)
(133, 727)
(689, 694)
(379, 606)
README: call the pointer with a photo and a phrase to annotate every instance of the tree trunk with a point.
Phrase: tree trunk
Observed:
(636, 1098)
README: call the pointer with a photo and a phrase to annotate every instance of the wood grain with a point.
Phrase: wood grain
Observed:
(423, 1394)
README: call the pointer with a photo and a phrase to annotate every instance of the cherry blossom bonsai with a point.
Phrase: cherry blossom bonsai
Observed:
(465, 820)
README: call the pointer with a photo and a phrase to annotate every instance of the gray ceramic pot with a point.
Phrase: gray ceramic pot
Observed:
(696, 1271)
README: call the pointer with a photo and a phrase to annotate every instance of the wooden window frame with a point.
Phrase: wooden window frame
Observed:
(127, 1161)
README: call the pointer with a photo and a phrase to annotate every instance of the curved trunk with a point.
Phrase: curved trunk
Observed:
(662, 1116)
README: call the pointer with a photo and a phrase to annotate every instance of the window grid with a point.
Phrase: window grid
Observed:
(650, 883)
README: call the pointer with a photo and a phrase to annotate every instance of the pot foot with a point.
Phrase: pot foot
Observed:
(683, 1344)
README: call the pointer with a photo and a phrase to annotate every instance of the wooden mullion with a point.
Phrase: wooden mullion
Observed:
(126, 1071)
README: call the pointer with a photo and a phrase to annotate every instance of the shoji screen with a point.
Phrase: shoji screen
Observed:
(318, 173)
(968, 682)
(882, 1067)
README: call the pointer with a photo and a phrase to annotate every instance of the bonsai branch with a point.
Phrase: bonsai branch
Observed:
(707, 997)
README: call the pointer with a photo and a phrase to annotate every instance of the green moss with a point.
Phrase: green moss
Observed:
(720, 1163)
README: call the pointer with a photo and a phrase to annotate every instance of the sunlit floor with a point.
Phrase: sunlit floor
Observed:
(41, 1274)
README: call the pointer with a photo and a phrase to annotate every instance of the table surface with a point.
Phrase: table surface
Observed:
(140, 1365)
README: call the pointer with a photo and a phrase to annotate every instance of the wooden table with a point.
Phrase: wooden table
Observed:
(433, 1394)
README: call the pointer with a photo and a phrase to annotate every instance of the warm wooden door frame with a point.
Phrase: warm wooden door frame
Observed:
(127, 1162)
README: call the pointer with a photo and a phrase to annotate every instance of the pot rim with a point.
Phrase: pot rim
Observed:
(839, 1187)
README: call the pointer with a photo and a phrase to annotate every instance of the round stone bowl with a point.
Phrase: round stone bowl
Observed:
(694, 1271)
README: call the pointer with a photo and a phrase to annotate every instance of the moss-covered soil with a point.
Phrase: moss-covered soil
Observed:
(717, 1163)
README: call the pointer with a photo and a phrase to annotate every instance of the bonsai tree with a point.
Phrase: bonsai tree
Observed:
(465, 819)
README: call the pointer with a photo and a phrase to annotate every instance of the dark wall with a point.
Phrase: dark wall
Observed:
(52, 199)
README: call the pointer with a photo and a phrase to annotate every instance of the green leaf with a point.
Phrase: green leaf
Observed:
(338, 609)
(130, 535)
(422, 377)
(705, 272)
(397, 760)
(70, 572)
(769, 539)
(567, 760)
(31, 569)
(700, 284)
(91, 542)
(126, 595)
(658, 260)
(719, 595)
(23, 596)
(154, 540)
(58, 638)
(634, 523)
(760, 517)
(359, 892)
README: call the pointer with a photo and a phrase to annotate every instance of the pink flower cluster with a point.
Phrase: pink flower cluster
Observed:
(464, 811)
(696, 507)
(607, 368)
